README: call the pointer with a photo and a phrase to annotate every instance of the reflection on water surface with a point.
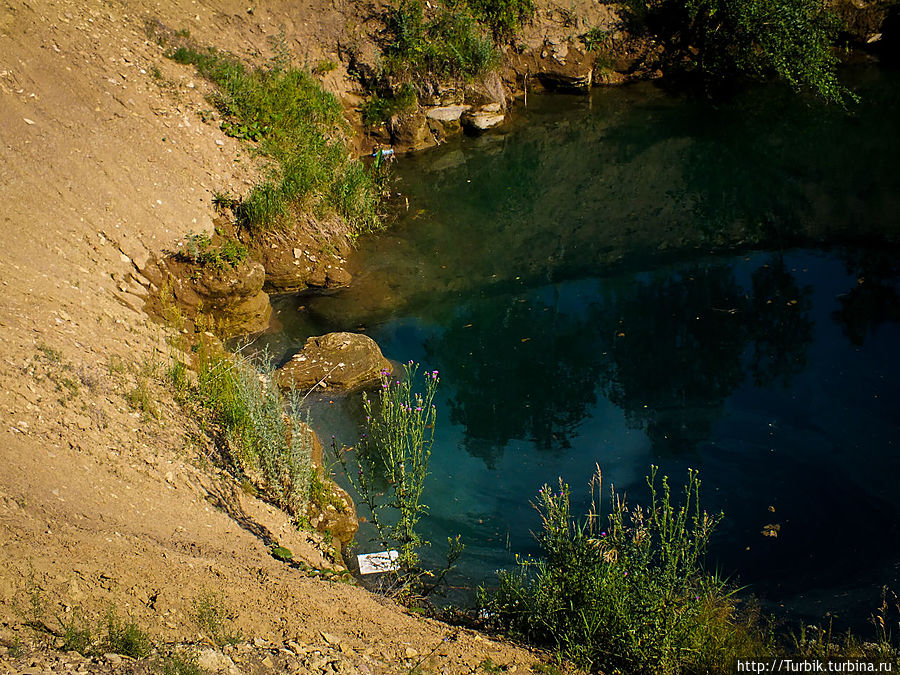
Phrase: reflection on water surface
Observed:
(637, 279)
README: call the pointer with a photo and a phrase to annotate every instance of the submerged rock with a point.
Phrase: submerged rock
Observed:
(341, 361)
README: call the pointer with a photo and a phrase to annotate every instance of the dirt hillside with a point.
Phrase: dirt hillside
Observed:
(107, 497)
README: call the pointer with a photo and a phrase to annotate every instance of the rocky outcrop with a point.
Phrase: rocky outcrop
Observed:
(338, 361)
(293, 262)
(445, 120)
(336, 513)
(232, 298)
(409, 131)
(863, 20)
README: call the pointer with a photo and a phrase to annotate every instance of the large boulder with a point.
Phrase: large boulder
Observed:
(339, 361)
(409, 131)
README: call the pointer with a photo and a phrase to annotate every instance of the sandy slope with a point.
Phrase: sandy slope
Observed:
(104, 160)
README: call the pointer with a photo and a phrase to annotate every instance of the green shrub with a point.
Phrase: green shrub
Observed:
(282, 553)
(323, 67)
(180, 663)
(725, 39)
(225, 255)
(504, 17)
(380, 109)
(628, 596)
(214, 619)
(451, 44)
(126, 637)
(392, 464)
(396, 448)
(301, 127)
(77, 635)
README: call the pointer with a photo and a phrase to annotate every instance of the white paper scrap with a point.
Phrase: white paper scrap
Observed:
(383, 561)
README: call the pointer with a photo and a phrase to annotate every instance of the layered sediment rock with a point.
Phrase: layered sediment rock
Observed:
(339, 361)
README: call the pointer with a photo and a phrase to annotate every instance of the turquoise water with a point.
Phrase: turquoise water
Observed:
(636, 278)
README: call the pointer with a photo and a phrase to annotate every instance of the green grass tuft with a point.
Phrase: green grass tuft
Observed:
(126, 637)
(301, 127)
(214, 620)
(448, 44)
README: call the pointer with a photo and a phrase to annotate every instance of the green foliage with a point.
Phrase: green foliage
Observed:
(396, 448)
(596, 39)
(180, 663)
(282, 553)
(722, 39)
(213, 620)
(323, 67)
(141, 398)
(448, 45)
(504, 17)
(125, 637)
(631, 595)
(301, 127)
(392, 464)
(223, 255)
(378, 109)
(265, 434)
(77, 635)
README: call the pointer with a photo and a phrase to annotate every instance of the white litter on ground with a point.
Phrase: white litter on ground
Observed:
(373, 563)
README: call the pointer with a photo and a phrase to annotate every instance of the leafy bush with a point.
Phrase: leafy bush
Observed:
(503, 16)
(723, 39)
(396, 447)
(214, 619)
(450, 44)
(380, 109)
(126, 637)
(299, 125)
(628, 596)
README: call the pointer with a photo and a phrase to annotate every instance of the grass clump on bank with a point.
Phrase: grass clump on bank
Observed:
(450, 43)
(264, 434)
(301, 127)
(224, 255)
(628, 595)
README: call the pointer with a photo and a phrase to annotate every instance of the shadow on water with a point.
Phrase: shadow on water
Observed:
(639, 278)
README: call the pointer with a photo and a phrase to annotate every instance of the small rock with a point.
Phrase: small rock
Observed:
(411, 653)
(113, 658)
(215, 662)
